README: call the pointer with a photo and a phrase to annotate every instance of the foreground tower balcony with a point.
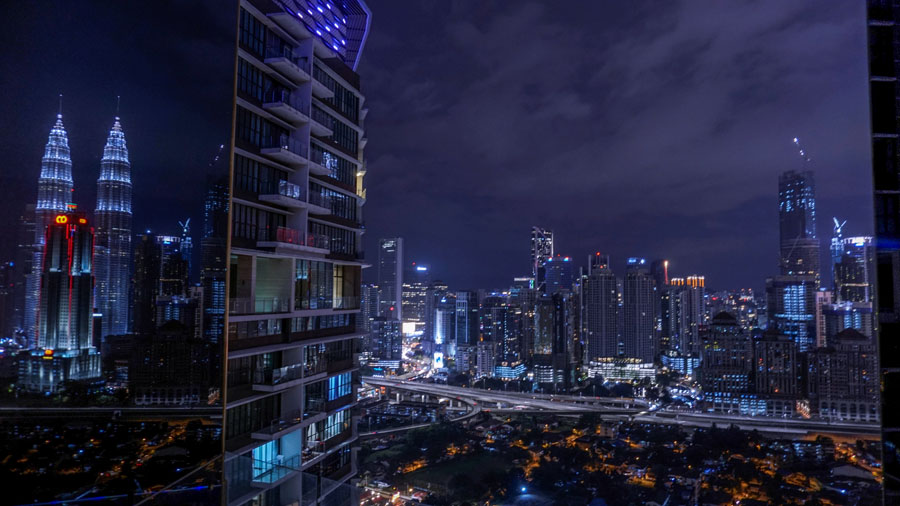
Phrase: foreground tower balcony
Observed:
(284, 60)
(286, 150)
(287, 106)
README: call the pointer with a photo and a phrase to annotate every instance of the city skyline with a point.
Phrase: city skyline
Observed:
(706, 118)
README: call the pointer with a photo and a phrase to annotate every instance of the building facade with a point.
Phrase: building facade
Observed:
(639, 294)
(296, 254)
(64, 348)
(55, 188)
(797, 223)
(112, 244)
(390, 277)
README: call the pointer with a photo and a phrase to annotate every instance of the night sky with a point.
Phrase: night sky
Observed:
(651, 129)
(171, 62)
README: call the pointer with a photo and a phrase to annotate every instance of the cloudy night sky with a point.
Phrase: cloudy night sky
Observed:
(632, 128)
(652, 129)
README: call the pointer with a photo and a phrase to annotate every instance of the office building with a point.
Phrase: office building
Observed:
(390, 277)
(416, 281)
(467, 328)
(560, 274)
(368, 306)
(777, 371)
(55, 188)
(726, 367)
(541, 251)
(213, 259)
(797, 224)
(145, 283)
(112, 240)
(296, 254)
(385, 341)
(64, 350)
(169, 367)
(639, 294)
(846, 315)
(843, 382)
(600, 305)
(444, 328)
(791, 308)
(854, 270)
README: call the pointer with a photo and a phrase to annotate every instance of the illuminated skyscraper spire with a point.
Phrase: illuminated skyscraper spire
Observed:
(55, 187)
(112, 247)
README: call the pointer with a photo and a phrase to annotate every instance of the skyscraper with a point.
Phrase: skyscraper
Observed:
(854, 270)
(55, 188)
(296, 253)
(791, 308)
(390, 277)
(726, 366)
(414, 296)
(147, 253)
(639, 331)
(213, 259)
(468, 328)
(63, 350)
(797, 219)
(541, 251)
(600, 301)
(112, 246)
(559, 272)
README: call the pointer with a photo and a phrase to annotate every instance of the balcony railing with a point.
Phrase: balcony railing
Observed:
(270, 472)
(283, 51)
(247, 305)
(317, 199)
(347, 302)
(288, 235)
(274, 377)
(317, 241)
(286, 143)
(272, 305)
(285, 96)
(282, 422)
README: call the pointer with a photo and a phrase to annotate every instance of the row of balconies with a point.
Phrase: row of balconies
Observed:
(269, 305)
(292, 195)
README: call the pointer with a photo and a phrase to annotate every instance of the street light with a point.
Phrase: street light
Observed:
(523, 490)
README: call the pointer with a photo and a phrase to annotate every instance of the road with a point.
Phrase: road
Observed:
(613, 408)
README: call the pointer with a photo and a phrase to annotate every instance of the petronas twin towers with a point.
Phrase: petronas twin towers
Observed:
(112, 219)
(112, 243)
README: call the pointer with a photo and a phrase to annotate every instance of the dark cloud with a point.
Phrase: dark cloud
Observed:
(636, 128)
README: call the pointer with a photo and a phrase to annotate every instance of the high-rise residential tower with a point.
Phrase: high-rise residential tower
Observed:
(112, 243)
(390, 277)
(639, 330)
(600, 300)
(294, 275)
(55, 188)
(797, 223)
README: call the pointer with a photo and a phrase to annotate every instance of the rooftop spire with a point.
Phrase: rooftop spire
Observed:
(118, 102)
(59, 114)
